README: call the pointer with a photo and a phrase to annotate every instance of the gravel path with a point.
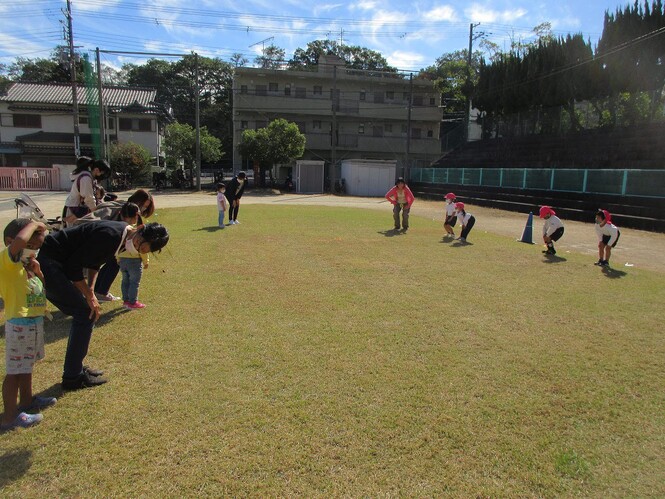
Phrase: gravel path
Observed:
(636, 248)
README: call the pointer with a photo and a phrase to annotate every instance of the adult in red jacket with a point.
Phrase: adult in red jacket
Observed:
(401, 198)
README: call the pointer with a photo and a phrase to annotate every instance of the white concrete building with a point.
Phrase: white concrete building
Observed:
(37, 129)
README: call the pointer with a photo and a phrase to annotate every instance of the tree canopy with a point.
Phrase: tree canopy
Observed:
(356, 57)
(180, 144)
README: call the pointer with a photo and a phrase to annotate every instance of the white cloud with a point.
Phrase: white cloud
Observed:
(364, 5)
(91, 7)
(326, 8)
(441, 13)
(481, 13)
(405, 60)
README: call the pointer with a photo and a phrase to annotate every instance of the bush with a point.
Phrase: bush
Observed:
(133, 159)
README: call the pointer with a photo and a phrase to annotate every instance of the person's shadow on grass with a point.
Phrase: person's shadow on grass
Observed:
(613, 273)
(13, 465)
(212, 228)
(61, 324)
(459, 244)
(553, 259)
(392, 232)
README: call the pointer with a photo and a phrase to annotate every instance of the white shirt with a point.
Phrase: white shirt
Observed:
(607, 230)
(450, 209)
(551, 225)
(463, 218)
(82, 190)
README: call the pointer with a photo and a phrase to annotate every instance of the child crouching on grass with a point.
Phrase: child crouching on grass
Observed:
(552, 229)
(608, 237)
(466, 220)
(22, 289)
(131, 262)
(450, 214)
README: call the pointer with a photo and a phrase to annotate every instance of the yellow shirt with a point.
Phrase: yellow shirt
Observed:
(23, 296)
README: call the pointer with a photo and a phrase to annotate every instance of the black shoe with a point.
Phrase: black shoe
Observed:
(93, 372)
(83, 380)
(395, 228)
(604, 263)
(599, 262)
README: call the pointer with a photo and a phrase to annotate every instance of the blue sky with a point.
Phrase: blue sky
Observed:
(409, 34)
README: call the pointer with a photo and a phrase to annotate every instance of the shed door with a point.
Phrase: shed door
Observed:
(310, 178)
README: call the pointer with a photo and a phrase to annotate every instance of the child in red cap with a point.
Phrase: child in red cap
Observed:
(466, 220)
(552, 229)
(608, 237)
(450, 214)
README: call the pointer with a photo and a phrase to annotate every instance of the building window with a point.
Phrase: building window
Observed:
(301, 126)
(377, 131)
(301, 92)
(389, 128)
(135, 125)
(261, 90)
(417, 100)
(415, 133)
(404, 129)
(378, 98)
(273, 87)
(111, 124)
(362, 95)
(316, 125)
(244, 124)
(318, 90)
(243, 89)
(261, 124)
(28, 120)
(390, 95)
(361, 128)
(83, 120)
(432, 101)
(287, 90)
(430, 133)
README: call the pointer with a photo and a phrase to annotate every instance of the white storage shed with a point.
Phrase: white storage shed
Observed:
(366, 177)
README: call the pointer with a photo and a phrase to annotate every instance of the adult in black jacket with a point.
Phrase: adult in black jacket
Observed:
(62, 258)
(234, 190)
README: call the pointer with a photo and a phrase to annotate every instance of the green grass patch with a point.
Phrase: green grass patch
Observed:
(307, 352)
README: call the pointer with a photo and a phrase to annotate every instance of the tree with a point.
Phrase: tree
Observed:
(272, 57)
(131, 158)
(280, 142)
(356, 57)
(238, 60)
(180, 144)
(52, 70)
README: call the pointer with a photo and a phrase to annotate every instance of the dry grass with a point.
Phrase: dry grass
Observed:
(306, 353)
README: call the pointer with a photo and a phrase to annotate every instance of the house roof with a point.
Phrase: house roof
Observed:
(57, 137)
(61, 93)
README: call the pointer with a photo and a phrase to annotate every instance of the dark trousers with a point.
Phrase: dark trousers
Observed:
(233, 210)
(106, 276)
(63, 294)
(468, 227)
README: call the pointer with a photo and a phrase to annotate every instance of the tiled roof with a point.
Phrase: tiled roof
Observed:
(61, 93)
(60, 137)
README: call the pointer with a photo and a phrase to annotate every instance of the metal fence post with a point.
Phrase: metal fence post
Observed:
(552, 180)
(462, 176)
(524, 179)
(500, 177)
(586, 175)
(480, 178)
(624, 183)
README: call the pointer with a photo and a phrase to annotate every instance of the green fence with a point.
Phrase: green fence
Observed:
(646, 183)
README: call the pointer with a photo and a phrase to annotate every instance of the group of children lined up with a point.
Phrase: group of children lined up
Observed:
(401, 197)
(22, 282)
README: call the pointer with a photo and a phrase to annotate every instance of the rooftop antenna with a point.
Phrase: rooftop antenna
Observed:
(263, 44)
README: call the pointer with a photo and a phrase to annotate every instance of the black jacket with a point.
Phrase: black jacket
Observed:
(85, 246)
(232, 191)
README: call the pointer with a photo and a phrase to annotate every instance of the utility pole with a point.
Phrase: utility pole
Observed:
(333, 132)
(102, 119)
(405, 173)
(198, 124)
(72, 70)
(469, 59)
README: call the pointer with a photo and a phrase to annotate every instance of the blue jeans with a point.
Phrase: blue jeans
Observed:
(131, 269)
(63, 294)
(220, 219)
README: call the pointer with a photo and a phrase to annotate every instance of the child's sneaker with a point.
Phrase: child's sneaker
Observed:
(23, 420)
(599, 263)
(604, 263)
(39, 403)
(136, 304)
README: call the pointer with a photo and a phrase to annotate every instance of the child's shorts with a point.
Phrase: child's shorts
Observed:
(556, 235)
(24, 338)
(451, 220)
(606, 240)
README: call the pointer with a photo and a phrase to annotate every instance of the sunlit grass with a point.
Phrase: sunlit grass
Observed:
(305, 352)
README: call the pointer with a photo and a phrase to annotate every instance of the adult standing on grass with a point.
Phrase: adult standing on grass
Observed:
(401, 197)
(63, 257)
(234, 191)
(82, 196)
(608, 237)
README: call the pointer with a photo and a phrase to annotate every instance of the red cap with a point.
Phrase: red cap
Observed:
(459, 206)
(546, 210)
(450, 195)
(608, 216)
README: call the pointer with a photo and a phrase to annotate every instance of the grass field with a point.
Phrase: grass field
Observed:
(307, 352)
